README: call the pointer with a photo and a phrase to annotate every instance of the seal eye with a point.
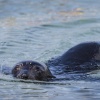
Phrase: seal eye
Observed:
(18, 68)
(36, 68)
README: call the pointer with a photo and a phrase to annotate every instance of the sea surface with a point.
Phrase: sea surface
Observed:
(39, 30)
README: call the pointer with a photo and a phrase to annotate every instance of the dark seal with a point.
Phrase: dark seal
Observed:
(82, 57)
(31, 70)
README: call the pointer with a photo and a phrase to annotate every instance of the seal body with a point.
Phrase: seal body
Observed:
(82, 57)
(31, 70)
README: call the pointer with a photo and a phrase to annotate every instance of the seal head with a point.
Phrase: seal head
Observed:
(31, 70)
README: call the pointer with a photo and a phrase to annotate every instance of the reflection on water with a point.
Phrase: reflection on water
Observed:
(39, 30)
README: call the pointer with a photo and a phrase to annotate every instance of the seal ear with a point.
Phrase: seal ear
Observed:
(48, 73)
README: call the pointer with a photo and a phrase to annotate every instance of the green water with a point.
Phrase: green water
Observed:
(42, 29)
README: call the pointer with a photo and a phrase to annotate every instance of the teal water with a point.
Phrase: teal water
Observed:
(42, 29)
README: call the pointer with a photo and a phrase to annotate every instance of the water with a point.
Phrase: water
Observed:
(41, 29)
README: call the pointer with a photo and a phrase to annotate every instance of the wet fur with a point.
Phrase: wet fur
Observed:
(31, 70)
(83, 57)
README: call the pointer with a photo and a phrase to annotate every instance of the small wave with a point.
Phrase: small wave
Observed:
(72, 23)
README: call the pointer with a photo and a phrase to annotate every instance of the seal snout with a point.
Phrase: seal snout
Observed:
(23, 74)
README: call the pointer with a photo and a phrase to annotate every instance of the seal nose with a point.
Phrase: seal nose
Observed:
(23, 74)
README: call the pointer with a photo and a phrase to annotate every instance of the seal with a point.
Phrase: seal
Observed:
(82, 57)
(31, 70)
